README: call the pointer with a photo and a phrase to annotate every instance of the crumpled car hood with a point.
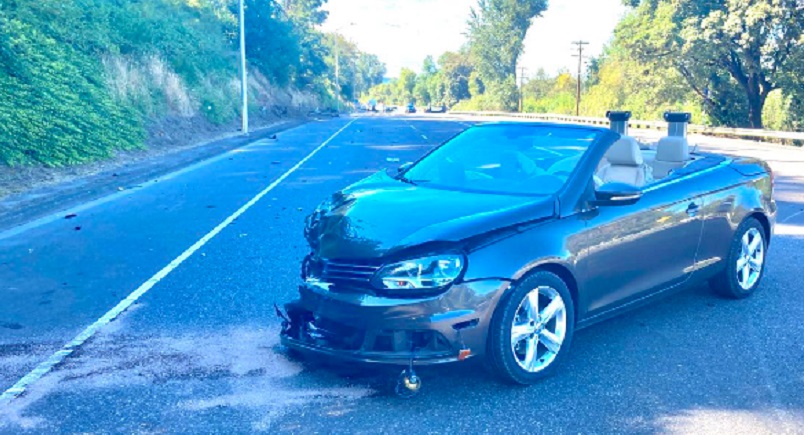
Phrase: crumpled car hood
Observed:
(381, 215)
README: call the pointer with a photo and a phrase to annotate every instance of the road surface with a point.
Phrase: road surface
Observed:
(207, 251)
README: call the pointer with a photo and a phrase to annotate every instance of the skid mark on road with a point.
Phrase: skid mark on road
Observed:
(57, 358)
(241, 362)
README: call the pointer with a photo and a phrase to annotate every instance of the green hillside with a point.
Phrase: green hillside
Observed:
(80, 79)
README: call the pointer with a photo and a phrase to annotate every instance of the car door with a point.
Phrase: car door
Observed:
(637, 249)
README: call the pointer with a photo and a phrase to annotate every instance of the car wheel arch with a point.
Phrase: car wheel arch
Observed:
(764, 221)
(561, 270)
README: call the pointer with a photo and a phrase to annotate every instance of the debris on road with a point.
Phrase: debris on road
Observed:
(70, 216)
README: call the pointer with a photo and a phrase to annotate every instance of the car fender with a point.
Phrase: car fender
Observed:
(558, 242)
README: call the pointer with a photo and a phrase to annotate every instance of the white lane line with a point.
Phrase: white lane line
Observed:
(46, 366)
(17, 230)
(787, 219)
(417, 131)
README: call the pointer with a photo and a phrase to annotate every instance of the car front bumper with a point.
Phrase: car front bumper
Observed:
(354, 326)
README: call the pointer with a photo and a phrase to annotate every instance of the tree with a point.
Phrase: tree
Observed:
(455, 69)
(497, 29)
(427, 88)
(306, 12)
(726, 50)
(406, 83)
(357, 71)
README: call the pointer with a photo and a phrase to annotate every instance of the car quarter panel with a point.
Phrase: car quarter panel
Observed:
(737, 197)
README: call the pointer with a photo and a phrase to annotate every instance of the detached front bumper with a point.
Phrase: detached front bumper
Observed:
(354, 326)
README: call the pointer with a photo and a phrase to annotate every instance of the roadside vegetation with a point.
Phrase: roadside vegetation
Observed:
(730, 63)
(81, 79)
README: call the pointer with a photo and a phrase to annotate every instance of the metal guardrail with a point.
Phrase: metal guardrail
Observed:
(653, 125)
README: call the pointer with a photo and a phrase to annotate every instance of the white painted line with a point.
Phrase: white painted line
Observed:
(46, 366)
(424, 137)
(787, 219)
(17, 230)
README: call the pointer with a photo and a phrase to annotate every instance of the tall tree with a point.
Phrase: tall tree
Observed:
(406, 84)
(307, 12)
(496, 32)
(455, 71)
(726, 50)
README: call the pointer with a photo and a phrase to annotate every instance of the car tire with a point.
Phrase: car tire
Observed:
(735, 281)
(509, 359)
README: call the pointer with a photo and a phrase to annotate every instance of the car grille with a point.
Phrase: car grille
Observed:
(345, 275)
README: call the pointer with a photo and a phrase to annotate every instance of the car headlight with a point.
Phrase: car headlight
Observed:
(426, 273)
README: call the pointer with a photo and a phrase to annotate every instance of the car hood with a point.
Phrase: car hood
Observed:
(381, 215)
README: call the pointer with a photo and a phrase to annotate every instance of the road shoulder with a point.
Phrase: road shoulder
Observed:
(19, 208)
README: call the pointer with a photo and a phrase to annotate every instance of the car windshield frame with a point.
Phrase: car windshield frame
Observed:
(590, 136)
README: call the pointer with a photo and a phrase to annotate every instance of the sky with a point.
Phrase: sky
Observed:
(403, 32)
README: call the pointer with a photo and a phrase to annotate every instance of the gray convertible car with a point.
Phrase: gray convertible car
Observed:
(504, 240)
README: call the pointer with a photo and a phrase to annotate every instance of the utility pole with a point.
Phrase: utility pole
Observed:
(580, 45)
(521, 78)
(243, 84)
(337, 79)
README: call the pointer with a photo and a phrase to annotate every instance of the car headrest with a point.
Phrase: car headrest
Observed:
(673, 149)
(625, 152)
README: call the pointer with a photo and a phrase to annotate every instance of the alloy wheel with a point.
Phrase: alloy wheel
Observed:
(538, 329)
(751, 259)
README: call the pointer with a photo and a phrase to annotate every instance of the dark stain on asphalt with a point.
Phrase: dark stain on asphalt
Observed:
(15, 349)
(10, 325)
(77, 228)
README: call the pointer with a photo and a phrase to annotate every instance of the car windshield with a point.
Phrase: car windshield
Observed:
(512, 159)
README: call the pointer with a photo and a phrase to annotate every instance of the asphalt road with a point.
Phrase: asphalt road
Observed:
(198, 352)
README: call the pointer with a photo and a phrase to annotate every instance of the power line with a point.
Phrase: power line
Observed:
(579, 45)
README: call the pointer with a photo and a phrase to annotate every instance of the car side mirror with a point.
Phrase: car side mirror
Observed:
(403, 167)
(616, 194)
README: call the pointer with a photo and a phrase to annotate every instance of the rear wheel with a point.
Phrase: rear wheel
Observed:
(746, 262)
(532, 329)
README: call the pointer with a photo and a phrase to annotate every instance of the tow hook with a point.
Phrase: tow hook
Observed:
(408, 384)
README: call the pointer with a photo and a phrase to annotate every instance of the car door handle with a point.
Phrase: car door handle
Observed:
(693, 208)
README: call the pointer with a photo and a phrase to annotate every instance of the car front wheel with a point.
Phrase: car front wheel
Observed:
(746, 262)
(532, 329)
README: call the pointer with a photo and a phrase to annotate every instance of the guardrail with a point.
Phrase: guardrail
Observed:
(747, 133)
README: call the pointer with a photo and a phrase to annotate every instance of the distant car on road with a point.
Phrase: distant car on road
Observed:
(411, 108)
(436, 108)
(507, 238)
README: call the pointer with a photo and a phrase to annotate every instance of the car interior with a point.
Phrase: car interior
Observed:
(628, 161)
(542, 167)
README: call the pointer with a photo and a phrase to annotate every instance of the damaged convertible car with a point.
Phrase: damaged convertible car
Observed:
(503, 241)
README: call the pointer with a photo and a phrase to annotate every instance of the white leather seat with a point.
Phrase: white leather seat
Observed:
(625, 164)
(672, 152)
